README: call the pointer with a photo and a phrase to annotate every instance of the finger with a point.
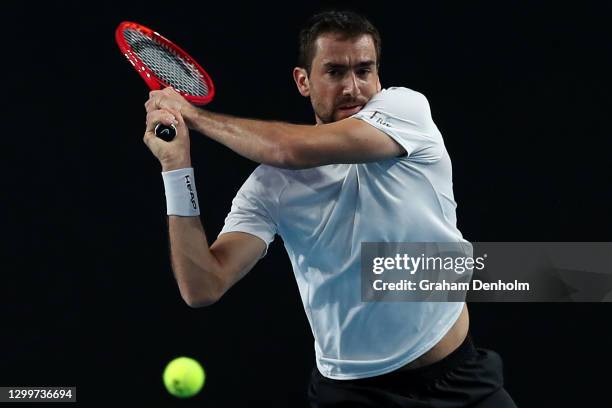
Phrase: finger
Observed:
(169, 90)
(153, 103)
(152, 94)
(154, 143)
(149, 105)
(154, 100)
(160, 116)
(180, 122)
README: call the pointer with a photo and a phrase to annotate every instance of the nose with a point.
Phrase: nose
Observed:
(351, 86)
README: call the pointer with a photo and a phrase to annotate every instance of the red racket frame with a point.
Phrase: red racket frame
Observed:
(152, 80)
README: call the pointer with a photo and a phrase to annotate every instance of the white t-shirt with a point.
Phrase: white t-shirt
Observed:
(323, 214)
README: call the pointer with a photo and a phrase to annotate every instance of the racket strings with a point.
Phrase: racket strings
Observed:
(166, 64)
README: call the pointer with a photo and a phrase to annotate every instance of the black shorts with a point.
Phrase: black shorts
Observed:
(468, 377)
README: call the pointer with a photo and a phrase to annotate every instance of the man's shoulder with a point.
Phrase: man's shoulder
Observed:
(400, 102)
(401, 92)
(400, 89)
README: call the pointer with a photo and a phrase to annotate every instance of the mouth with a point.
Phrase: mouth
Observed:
(350, 109)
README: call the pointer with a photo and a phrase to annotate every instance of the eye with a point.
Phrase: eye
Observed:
(363, 71)
(333, 72)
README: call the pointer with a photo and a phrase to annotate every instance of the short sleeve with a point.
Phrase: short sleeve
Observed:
(254, 207)
(405, 116)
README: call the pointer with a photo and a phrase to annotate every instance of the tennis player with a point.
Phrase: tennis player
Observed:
(374, 168)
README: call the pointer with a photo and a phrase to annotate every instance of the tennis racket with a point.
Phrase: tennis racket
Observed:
(161, 63)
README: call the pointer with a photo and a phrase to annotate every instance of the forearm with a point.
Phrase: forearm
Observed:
(264, 142)
(196, 269)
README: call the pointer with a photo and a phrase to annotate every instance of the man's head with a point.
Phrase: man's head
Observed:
(338, 64)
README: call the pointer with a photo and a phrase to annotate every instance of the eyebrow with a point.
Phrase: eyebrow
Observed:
(363, 64)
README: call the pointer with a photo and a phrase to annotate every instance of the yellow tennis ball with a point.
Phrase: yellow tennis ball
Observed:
(184, 377)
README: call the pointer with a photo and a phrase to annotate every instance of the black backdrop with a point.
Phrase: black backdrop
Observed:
(520, 91)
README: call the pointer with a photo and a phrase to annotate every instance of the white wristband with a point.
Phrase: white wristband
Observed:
(181, 194)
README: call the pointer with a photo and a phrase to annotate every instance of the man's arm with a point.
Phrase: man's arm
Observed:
(205, 273)
(283, 144)
(298, 146)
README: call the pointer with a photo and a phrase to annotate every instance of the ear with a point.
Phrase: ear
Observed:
(300, 76)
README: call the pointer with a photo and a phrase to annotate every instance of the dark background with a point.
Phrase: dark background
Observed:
(519, 90)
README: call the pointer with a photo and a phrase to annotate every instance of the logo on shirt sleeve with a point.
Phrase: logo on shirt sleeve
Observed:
(380, 119)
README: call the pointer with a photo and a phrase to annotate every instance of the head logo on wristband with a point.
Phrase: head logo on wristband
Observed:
(194, 204)
(181, 194)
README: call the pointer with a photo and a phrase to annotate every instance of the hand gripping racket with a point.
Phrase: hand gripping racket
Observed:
(161, 63)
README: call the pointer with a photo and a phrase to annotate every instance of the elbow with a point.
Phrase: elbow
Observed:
(202, 294)
(198, 302)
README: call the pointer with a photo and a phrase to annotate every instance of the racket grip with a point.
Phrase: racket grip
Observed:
(164, 132)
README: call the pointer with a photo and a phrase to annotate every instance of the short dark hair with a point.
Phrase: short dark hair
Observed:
(346, 23)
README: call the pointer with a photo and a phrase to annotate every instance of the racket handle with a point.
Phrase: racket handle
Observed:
(164, 132)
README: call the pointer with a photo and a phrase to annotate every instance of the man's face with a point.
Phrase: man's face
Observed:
(343, 76)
